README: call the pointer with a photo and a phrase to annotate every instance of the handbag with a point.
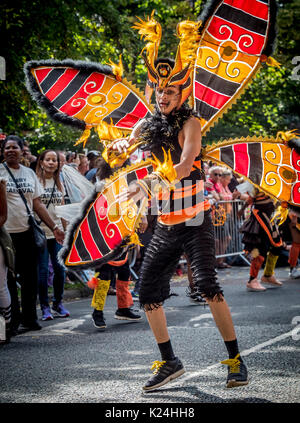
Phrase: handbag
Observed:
(39, 236)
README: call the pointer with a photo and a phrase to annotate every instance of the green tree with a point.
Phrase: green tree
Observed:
(99, 31)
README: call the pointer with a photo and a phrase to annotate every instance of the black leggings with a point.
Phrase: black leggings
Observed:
(26, 267)
(106, 272)
(163, 253)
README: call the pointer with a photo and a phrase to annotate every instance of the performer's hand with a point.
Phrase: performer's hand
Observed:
(208, 185)
(59, 235)
(143, 225)
(120, 145)
(134, 192)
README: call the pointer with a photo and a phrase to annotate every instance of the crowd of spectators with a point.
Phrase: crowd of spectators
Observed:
(33, 184)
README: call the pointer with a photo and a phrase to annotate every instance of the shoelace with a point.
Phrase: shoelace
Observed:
(233, 363)
(156, 366)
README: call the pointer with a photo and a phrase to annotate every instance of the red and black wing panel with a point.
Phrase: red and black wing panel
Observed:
(93, 239)
(235, 36)
(129, 114)
(270, 165)
(80, 93)
(245, 159)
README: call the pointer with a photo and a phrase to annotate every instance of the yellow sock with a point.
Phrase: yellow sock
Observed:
(270, 265)
(100, 294)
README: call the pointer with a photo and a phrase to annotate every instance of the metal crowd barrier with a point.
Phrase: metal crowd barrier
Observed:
(227, 222)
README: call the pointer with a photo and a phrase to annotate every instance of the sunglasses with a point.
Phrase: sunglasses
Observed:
(218, 174)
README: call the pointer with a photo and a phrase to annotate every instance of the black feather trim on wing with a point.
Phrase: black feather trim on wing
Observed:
(272, 32)
(207, 12)
(295, 144)
(43, 101)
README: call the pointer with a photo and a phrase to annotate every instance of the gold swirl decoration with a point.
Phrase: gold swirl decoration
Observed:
(130, 211)
(272, 155)
(97, 99)
(272, 178)
(96, 115)
(78, 102)
(208, 58)
(115, 95)
(110, 231)
(235, 71)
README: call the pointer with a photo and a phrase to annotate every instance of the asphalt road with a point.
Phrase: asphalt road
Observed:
(70, 361)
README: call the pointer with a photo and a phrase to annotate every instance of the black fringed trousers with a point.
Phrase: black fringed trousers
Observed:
(163, 253)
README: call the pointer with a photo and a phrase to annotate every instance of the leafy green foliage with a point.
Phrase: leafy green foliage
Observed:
(100, 31)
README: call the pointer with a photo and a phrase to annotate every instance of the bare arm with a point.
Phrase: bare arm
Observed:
(3, 203)
(190, 142)
(63, 221)
(42, 212)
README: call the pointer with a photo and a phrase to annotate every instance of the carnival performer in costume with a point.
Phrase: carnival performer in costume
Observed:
(294, 225)
(217, 57)
(101, 284)
(263, 241)
(290, 232)
(185, 227)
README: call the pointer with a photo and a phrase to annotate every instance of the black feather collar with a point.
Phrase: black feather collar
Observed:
(162, 130)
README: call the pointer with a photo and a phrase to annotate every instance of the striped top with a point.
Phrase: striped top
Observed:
(186, 201)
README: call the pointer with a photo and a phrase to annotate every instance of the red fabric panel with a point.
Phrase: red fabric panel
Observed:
(210, 97)
(81, 95)
(255, 8)
(241, 158)
(245, 44)
(42, 73)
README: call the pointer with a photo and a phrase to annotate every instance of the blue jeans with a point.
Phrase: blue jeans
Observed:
(59, 274)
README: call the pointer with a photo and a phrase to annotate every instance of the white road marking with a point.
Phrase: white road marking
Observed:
(201, 316)
(65, 327)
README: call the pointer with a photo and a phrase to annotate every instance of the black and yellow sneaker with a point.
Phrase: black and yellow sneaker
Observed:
(164, 372)
(237, 372)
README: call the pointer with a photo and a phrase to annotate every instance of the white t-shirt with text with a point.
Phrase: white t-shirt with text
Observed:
(17, 217)
(56, 200)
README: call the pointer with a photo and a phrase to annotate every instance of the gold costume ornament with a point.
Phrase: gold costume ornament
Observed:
(218, 214)
(161, 74)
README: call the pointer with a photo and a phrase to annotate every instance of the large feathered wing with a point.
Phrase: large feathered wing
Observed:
(270, 163)
(236, 37)
(86, 95)
(106, 226)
